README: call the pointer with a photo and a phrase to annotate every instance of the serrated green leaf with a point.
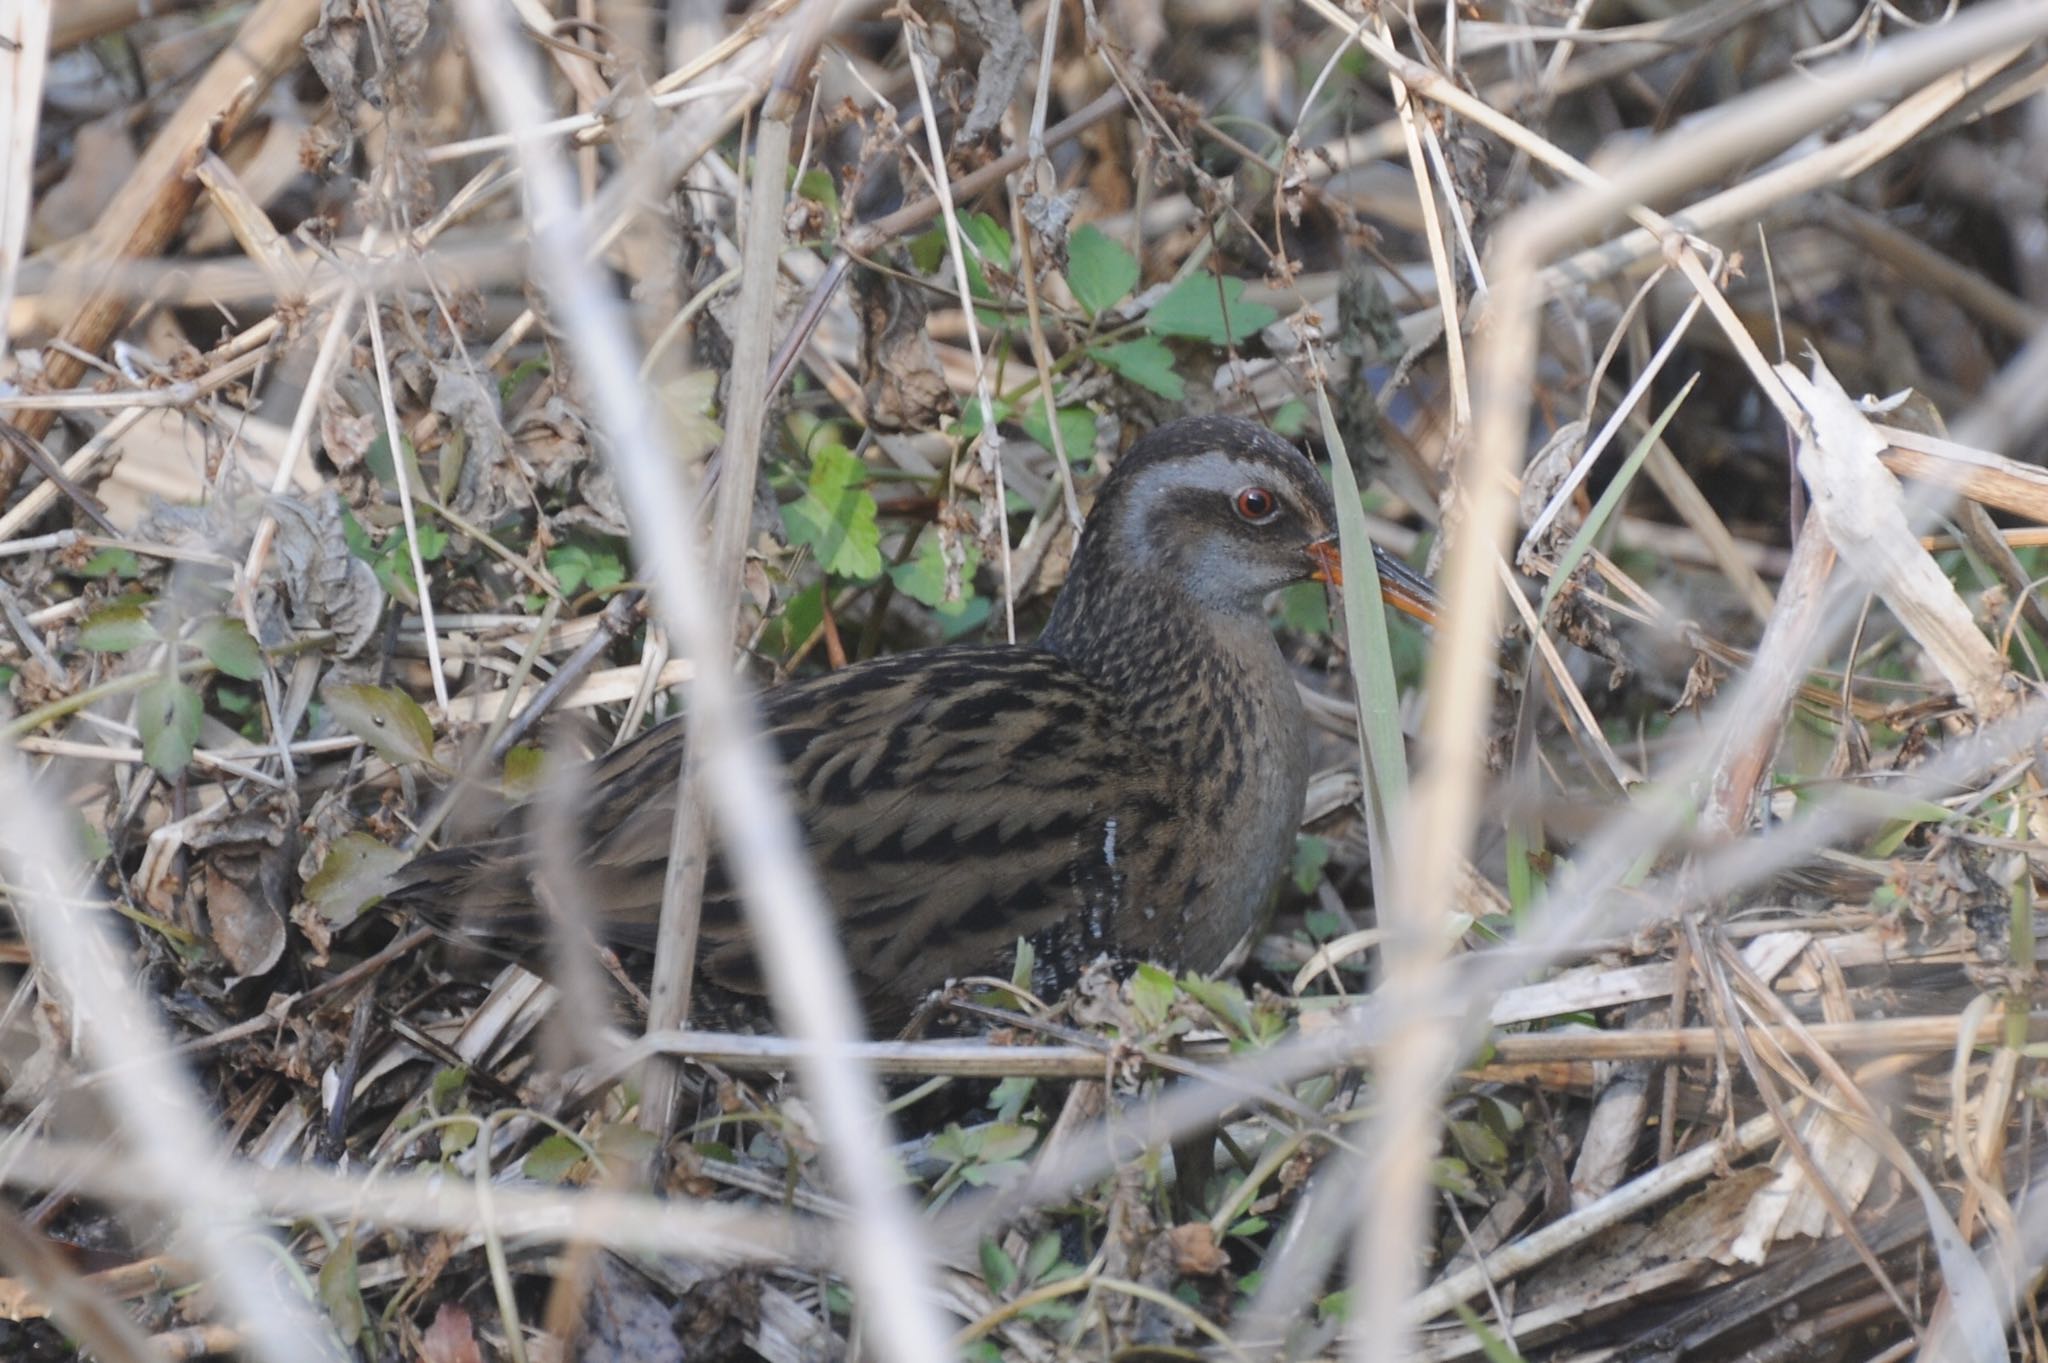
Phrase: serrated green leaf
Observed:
(229, 647)
(836, 516)
(1099, 271)
(385, 718)
(117, 627)
(1077, 430)
(356, 872)
(1206, 307)
(1146, 362)
(923, 578)
(1224, 1000)
(167, 716)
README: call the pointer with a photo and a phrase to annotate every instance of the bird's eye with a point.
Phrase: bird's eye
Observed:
(1256, 505)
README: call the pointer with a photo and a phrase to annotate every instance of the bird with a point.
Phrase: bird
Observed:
(1127, 786)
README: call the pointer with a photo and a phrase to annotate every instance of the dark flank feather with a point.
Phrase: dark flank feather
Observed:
(1129, 785)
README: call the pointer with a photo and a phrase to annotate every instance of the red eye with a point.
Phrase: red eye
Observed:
(1256, 504)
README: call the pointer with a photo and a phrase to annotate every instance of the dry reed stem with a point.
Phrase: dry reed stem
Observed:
(884, 1254)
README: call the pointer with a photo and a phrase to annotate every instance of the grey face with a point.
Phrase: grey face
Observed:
(1230, 525)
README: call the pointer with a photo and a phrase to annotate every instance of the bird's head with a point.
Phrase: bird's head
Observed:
(1228, 512)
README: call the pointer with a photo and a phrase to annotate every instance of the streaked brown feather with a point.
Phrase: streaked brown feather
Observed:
(1129, 785)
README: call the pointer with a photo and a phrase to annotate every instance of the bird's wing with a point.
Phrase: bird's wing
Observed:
(953, 802)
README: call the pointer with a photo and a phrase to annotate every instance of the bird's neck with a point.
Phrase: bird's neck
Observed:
(1145, 638)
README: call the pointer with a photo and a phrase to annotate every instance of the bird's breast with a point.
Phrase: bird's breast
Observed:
(1236, 762)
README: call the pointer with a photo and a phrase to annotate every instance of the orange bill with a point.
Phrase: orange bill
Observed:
(1406, 590)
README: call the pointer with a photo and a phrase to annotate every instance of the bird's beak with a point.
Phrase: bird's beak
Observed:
(1406, 590)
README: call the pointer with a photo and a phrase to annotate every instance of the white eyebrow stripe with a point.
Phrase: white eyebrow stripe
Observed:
(1212, 470)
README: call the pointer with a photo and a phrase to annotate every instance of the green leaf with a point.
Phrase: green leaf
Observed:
(341, 1292)
(385, 718)
(1007, 1141)
(1146, 362)
(817, 186)
(924, 578)
(92, 841)
(552, 1159)
(524, 766)
(356, 537)
(1021, 972)
(1152, 991)
(117, 627)
(1306, 606)
(800, 615)
(1007, 1099)
(445, 1090)
(355, 874)
(988, 239)
(1077, 430)
(119, 562)
(927, 250)
(579, 565)
(227, 645)
(1206, 307)
(433, 540)
(625, 1143)
(167, 715)
(972, 615)
(1099, 271)
(1292, 419)
(1383, 758)
(996, 1269)
(1043, 1254)
(836, 516)
(969, 424)
(1311, 855)
(1224, 1000)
